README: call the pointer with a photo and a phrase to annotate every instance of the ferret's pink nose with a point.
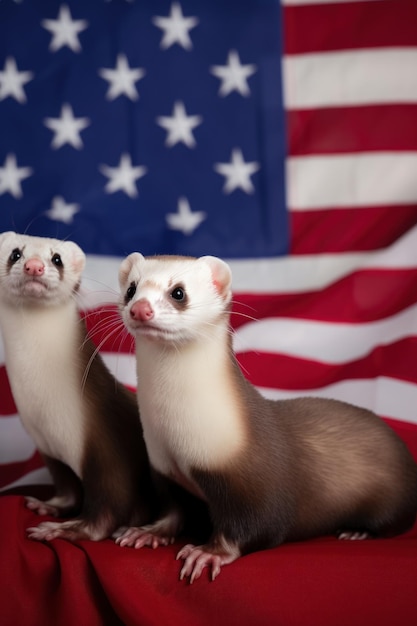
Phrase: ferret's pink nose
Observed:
(34, 267)
(141, 311)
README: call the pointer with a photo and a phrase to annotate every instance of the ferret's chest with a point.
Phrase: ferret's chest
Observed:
(190, 416)
(41, 361)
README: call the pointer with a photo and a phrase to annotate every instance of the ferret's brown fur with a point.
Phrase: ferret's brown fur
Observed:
(269, 471)
(83, 421)
(114, 487)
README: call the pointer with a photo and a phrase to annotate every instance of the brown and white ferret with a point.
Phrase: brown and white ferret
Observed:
(82, 420)
(269, 471)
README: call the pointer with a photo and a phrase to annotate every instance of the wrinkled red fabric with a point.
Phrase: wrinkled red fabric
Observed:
(322, 582)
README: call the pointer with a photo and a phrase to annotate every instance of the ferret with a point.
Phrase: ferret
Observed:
(83, 422)
(268, 471)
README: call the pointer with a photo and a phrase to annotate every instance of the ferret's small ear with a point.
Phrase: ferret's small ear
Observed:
(77, 256)
(221, 274)
(127, 265)
(5, 235)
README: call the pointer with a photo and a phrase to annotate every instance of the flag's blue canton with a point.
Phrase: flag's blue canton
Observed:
(151, 126)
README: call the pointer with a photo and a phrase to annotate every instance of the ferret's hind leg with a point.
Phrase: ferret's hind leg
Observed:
(72, 530)
(160, 533)
(88, 525)
(57, 506)
(214, 554)
(68, 492)
(104, 509)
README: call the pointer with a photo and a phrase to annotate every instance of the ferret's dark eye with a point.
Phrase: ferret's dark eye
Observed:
(56, 260)
(15, 256)
(131, 290)
(178, 294)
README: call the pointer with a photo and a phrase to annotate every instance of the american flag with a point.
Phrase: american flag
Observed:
(281, 137)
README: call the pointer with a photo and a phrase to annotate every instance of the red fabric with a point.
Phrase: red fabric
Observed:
(324, 582)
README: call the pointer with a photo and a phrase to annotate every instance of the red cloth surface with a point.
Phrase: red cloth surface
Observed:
(322, 582)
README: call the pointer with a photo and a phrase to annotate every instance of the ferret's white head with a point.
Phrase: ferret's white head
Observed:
(38, 270)
(174, 299)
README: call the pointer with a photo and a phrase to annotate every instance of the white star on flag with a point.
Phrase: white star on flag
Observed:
(67, 128)
(176, 28)
(179, 126)
(237, 173)
(65, 30)
(122, 79)
(234, 76)
(185, 220)
(11, 176)
(60, 211)
(123, 177)
(12, 81)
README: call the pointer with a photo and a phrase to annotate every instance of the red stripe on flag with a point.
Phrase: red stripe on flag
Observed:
(7, 405)
(349, 230)
(106, 330)
(325, 27)
(13, 471)
(352, 129)
(269, 370)
(367, 295)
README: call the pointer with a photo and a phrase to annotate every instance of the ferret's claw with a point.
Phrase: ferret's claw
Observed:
(45, 531)
(159, 533)
(119, 532)
(72, 530)
(139, 537)
(151, 540)
(352, 535)
(196, 559)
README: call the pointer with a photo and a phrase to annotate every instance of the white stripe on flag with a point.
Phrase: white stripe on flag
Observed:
(15, 444)
(351, 77)
(122, 366)
(37, 477)
(323, 341)
(352, 180)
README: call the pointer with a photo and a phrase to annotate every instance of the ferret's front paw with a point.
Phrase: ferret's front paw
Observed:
(72, 530)
(41, 508)
(46, 531)
(160, 533)
(63, 505)
(135, 537)
(196, 558)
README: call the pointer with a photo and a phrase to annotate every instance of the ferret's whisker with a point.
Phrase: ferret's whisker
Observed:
(103, 315)
(105, 332)
(242, 304)
(245, 316)
(103, 323)
(96, 281)
(106, 308)
(93, 356)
